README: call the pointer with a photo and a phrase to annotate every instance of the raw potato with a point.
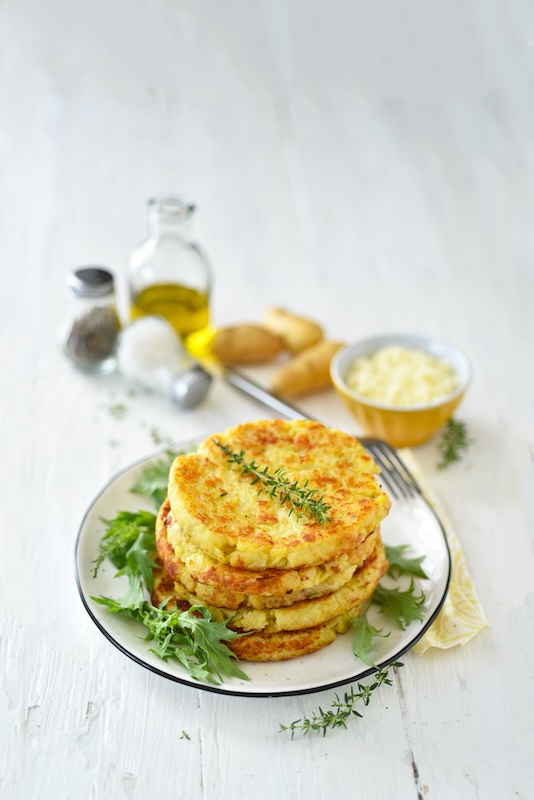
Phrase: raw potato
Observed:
(245, 344)
(296, 332)
(308, 371)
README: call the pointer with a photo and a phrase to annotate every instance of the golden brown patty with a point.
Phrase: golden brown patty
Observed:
(306, 613)
(219, 510)
(262, 646)
(292, 644)
(231, 587)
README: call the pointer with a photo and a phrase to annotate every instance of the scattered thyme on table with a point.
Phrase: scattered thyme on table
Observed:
(453, 443)
(158, 437)
(341, 709)
(117, 410)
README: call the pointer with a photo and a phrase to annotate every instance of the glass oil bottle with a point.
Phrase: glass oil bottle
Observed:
(169, 275)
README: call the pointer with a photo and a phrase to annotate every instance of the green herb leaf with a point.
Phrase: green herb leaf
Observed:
(140, 560)
(402, 607)
(130, 604)
(196, 640)
(453, 444)
(130, 544)
(301, 499)
(363, 634)
(120, 606)
(341, 709)
(154, 479)
(191, 637)
(121, 534)
(399, 565)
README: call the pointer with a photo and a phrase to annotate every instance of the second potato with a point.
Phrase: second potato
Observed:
(297, 333)
(308, 371)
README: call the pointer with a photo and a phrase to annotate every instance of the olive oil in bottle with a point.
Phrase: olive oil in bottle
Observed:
(169, 275)
(186, 309)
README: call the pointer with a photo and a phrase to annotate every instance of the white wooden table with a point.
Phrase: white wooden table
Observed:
(369, 165)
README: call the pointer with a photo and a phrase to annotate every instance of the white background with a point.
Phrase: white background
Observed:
(368, 164)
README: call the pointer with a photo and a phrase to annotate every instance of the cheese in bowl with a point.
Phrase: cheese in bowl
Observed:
(401, 376)
(401, 387)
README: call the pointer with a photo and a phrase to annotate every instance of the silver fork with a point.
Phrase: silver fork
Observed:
(394, 472)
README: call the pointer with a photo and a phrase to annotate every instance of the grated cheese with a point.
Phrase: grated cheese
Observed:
(402, 377)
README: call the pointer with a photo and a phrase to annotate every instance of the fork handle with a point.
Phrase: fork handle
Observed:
(254, 390)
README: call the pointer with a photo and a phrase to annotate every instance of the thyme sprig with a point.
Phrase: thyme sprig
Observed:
(341, 709)
(301, 499)
(453, 444)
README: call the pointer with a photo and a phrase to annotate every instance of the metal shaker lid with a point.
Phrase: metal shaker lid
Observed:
(191, 387)
(91, 282)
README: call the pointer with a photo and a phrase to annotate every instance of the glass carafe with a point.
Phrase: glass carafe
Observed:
(169, 275)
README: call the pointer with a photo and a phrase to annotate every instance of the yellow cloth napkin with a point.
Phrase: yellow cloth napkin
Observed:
(461, 616)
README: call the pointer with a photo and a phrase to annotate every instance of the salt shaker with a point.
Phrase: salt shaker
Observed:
(151, 354)
(91, 332)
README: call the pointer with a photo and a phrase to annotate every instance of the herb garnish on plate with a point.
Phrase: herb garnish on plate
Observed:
(192, 637)
(301, 499)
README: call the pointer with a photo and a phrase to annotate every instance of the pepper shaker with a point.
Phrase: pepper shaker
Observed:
(92, 329)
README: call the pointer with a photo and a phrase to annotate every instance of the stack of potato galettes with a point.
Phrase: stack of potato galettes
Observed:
(289, 558)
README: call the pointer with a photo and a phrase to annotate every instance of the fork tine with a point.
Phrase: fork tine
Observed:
(400, 467)
(385, 474)
(395, 473)
(391, 477)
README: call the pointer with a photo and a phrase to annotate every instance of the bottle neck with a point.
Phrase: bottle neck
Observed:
(169, 216)
(160, 227)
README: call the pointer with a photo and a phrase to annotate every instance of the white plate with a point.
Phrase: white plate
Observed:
(413, 524)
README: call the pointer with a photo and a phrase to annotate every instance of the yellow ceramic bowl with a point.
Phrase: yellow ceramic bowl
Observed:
(401, 427)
